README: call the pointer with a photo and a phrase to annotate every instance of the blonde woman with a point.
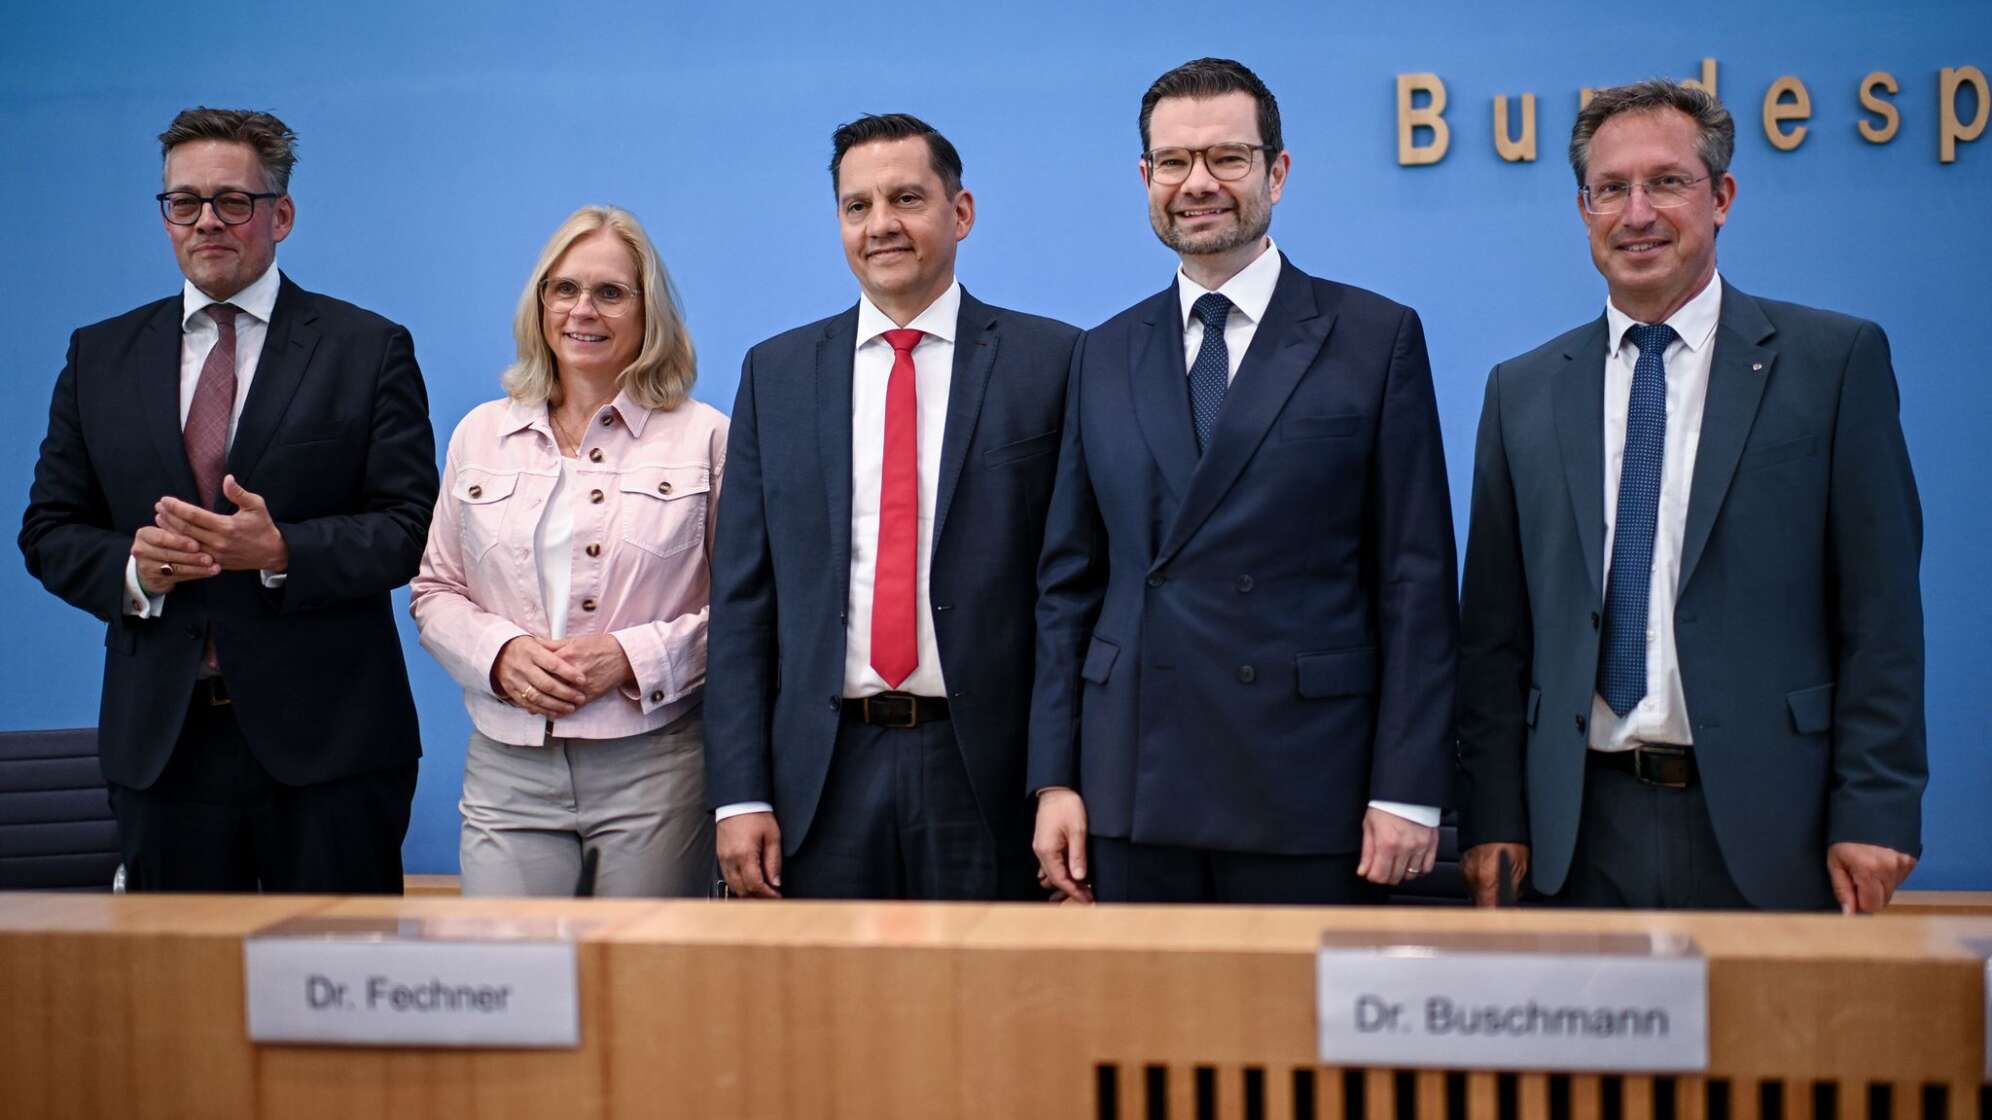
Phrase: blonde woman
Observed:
(566, 579)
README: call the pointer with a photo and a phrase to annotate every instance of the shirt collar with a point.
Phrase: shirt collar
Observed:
(258, 300)
(1249, 291)
(937, 321)
(1694, 322)
(526, 415)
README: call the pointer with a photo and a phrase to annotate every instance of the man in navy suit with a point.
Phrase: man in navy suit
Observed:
(887, 476)
(1246, 615)
(234, 479)
(1691, 668)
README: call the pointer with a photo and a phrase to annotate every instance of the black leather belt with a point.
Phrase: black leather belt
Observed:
(896, 709)
(1656, 764)
(211, 691)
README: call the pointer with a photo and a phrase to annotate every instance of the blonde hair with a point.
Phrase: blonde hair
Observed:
(663, 371)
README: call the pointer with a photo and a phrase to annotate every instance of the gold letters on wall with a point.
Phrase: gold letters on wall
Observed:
(1786, 105)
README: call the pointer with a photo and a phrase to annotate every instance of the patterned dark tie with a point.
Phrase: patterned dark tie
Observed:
(1622, 658)
(1211, 372)
(213, 406)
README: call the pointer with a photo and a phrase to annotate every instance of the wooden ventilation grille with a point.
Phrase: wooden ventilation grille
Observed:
(1225, 1092)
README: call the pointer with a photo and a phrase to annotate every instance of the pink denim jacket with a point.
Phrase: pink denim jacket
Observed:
(644, 487)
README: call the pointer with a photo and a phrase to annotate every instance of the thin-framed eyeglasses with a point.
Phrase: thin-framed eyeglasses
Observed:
(560, 294)
(1227, 162)
(183, 208)
(1663, 192)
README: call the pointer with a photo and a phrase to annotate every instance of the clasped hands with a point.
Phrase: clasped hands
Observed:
(552, 677)
(186, 542)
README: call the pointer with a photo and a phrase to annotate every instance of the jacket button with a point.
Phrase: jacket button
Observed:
(587, 604)
(1157, 580)
(594, 454)
(1594, 620)
(594, 550)
(596, 496)
(1580, 725)
(476, 491)
(663, 488)
(1244, 584)
(836, 703)
(657, 697)
(191, 631)
(1247, 674)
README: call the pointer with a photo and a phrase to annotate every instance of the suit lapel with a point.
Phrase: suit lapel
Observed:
(1160, 389)
(156, 357)
(834, 353)
(1736, 380)
(287, 348)
(1283, 348)
(1580, 436)
(976, 340)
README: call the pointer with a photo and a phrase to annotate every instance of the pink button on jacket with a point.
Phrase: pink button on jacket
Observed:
(641, 557)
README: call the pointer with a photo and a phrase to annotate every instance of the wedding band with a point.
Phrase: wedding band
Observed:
(165, 569)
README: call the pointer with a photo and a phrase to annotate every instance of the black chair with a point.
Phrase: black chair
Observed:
(56, 830)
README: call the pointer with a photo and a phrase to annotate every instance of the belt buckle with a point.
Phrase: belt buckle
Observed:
(912, 709)
(1660, 754)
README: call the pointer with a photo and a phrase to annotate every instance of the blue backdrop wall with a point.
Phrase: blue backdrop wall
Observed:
(440, 146)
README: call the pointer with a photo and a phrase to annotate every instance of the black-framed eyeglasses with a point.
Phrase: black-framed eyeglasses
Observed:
(560, 294)
(183, 208)
(1663, 192)
(1228, 162)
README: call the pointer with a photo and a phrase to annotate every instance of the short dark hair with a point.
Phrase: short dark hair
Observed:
(1215, 77)
(1715, 139)
(272, 140)
(874, 127)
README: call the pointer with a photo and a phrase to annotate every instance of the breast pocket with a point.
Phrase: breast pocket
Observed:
(1297, 429)
(484, 501)
(1019, 450)
(1758, 456)
(664, 507)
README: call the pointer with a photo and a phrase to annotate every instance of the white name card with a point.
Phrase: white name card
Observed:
(1530, 1002)
(399, 984)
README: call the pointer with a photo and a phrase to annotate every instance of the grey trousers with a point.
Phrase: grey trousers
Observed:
(529, 812)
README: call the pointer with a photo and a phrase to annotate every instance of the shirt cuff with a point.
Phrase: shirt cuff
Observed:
(139, 603)
(273, 580)
(1427, 815)
(740, 807)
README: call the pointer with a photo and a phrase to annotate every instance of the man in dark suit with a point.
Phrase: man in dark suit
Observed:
(887, 475)
(1692, 648)
(233, 480)
(1247, 617)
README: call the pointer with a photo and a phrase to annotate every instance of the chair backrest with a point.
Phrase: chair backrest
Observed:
(56, 829)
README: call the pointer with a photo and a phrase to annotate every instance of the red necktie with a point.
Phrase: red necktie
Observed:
(208, 414)
(895, 647)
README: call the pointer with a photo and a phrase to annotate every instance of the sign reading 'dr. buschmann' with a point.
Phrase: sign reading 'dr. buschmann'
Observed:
(1545, 1002)
(411, 992)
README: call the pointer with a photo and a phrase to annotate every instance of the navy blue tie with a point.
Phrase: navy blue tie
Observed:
(1211, 372)
(1622, 660)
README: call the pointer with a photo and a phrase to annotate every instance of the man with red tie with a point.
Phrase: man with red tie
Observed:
(888, 473)
(234, 479)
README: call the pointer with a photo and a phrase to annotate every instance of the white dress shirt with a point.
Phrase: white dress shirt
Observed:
(198, 334)
(1662, 717)
(553, 546)
(1250, 290)
(871, 369)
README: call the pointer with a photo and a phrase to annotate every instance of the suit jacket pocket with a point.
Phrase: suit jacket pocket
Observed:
(317, 432)
(1296, 428)
(1100, 657)
(1028, 448)
(1771, 454)
(1347, 672)
(1811, 709)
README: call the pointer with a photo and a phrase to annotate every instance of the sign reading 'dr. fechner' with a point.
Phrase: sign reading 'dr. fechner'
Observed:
(1537, 1002)
(406, 984)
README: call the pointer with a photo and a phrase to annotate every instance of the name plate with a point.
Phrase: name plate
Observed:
(1983, 947)
(457, 983)
(1624, 1002)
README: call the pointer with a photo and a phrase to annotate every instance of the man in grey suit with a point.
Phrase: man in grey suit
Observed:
(1691, 663)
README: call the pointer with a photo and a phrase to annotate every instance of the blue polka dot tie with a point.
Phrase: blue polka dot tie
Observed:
(1622, 659)
(1211, 372)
